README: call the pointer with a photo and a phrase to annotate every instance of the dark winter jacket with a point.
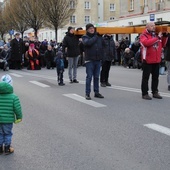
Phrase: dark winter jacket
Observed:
(167, 49)
(109, 48)
(59, 61)
(71, 42)
(93, 45)
(17, 49)
(10, 107)
(49, 55)
(128, 55)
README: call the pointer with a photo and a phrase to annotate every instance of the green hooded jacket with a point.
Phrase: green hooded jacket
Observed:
(10, 107)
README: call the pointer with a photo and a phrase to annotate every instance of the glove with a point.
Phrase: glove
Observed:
(18, 121)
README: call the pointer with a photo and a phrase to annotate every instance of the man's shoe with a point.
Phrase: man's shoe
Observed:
(146, 97)
(103, 84)
(169, 88)
(1, 150)
(75, 81)
(108, 84)
(157, 96)
(61, 84)
(71, 81)
(88, 97)
(98, 95)
(8, 150)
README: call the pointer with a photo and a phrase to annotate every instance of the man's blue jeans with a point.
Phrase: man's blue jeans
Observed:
(72, 67)
(92, 70)
(6, 133)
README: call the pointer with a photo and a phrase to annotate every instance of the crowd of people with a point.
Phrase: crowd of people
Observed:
(99, 52)
(77, 50)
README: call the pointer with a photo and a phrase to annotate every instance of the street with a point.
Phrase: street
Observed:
(63, 131)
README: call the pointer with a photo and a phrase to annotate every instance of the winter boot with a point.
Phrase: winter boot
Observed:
(1, 150)
(8, 150)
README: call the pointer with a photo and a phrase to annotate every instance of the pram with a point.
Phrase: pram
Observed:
(4, 61)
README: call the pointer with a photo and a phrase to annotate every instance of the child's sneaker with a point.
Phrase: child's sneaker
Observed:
(1, 150)
(8, 150)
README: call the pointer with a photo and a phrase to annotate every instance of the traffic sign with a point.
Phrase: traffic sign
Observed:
(11, 32)
(152, 17)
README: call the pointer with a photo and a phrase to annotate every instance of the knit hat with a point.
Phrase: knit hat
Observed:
(32, 45)
(69, 28)
(7, 79)
(89, 25)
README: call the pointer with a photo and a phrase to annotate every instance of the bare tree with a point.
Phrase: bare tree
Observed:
(11, 18)
(57, 12)
(29, 12)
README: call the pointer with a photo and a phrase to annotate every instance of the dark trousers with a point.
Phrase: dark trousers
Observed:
(104, 75)
(148, 69)
(15, 64)
(60, 75)
(92, 71)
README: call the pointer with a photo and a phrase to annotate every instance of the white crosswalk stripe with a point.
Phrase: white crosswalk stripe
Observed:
(16, 75)
(158, 128)
(39, 84)
(83, 100)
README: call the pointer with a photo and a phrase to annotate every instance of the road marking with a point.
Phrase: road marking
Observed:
(83, 100)
(16, 75)
(158, 128)
(129, 89)
(39, 84)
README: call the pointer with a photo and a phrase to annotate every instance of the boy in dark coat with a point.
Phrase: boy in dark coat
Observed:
(60, 67)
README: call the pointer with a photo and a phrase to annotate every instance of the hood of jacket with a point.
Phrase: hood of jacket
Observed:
(5, 88)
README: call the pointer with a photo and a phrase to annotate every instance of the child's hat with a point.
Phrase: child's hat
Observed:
(7, 78)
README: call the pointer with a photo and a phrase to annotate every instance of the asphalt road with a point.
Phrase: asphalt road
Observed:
(62, 131)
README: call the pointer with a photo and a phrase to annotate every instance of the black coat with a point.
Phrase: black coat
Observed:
(71, 42)
(17, 49)
(167, 49)
(93, 45)
(109, 48)
(49, 55)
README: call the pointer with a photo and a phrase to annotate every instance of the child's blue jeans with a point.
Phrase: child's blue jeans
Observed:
(6, 133)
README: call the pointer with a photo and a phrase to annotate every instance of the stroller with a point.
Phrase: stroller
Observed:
(4, 61)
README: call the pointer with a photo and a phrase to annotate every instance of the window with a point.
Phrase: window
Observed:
(112, 18)
(130, 23)
(159, 19)
(112, 7)
(131, 6)
(73, 19)
(87, 19)
(87, 5)
(72, 5)
(144, 21)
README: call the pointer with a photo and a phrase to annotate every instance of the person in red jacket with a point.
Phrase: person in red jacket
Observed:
(152, 45)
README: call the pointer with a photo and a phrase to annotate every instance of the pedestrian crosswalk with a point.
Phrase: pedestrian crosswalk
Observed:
(93, 103)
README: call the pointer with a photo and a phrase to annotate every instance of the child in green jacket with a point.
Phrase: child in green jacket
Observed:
(10, 112)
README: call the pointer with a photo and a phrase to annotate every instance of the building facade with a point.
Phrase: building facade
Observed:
(97, 12)
(110, 13)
